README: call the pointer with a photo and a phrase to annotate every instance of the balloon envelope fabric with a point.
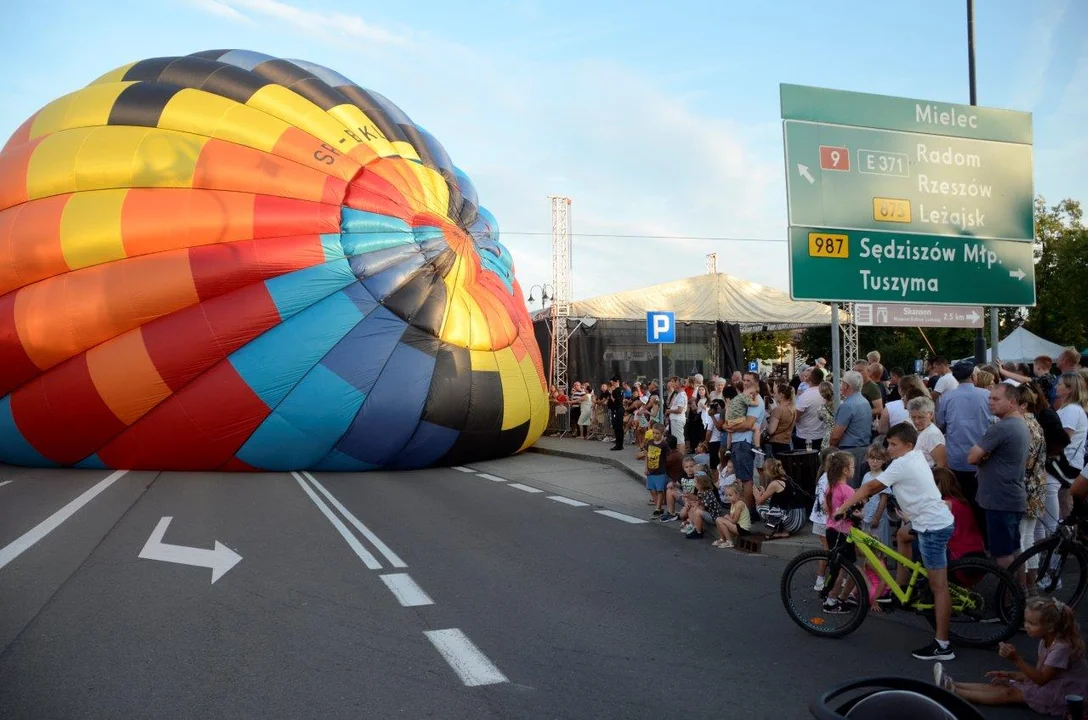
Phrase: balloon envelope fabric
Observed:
(232, 261)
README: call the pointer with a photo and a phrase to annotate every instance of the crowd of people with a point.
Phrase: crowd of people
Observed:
(960, 459)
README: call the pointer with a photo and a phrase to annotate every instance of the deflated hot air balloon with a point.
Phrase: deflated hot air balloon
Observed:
(232, 261)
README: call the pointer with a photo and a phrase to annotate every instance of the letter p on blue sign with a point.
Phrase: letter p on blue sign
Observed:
(660, 327)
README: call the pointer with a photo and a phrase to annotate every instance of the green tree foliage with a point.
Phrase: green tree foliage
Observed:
(1060, 315)
(765, 345)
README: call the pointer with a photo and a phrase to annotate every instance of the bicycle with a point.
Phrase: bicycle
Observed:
(984, 596)
(1059, 578)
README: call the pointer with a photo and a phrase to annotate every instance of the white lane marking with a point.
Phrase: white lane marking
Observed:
(525, 488)
(51, 523)
(369, 560)
(460, 468)
(621, 516)
(363, 529)
(407, 592)
(471, 665)
(568, 501)
(492, 478)
(219, 560)
(6, 482)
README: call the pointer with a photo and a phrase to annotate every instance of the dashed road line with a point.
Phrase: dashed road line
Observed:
(391, 556)
(26, 541)
(407, 592)
(621, 516)
(461, 468)
(568, 501)
(6, 482)
(369, 560)
(525, 488)
(492, 478)
(471, 665)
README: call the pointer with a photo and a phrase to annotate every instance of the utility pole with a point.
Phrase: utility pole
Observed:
(980, 334)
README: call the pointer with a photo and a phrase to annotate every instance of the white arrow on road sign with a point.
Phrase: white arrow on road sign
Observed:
(803, 171)
(973, 316)
(220, 560)
(1018, 274)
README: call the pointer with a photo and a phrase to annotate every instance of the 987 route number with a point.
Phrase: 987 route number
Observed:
(827, 245)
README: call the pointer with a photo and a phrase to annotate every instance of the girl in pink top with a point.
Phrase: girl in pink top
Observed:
(840, 468)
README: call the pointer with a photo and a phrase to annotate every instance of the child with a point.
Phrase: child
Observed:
(818, 516)
(966, 538)
(1059, 671)
(676, 490)
(738, 522)
(840, 470)
(657, 451)
(738, 408)
(875, 514)
(707, 508)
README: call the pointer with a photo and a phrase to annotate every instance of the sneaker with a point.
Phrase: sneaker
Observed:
(886, 598)
(820, 582)
(668, 517)
(850, 603)
(657, 513)
(832, 605)
(695, 535)
(942, 679)
(688, 529)
(933, 651)
(727, 544)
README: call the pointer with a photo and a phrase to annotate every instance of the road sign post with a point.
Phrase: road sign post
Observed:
(660, 329)
(909, 201)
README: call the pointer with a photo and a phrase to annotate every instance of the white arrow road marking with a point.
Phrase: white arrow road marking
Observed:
(803, 171)
(471, 665)
(407, 592)
(369, 560)
(51, 523)
(363, 529)
(220, 560)
(1018, 274)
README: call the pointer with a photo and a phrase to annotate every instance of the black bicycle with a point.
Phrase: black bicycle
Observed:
(1057, 566)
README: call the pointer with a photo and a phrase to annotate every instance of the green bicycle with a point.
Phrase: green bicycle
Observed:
(987, 602)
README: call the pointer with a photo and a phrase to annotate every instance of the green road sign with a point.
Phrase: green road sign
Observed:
(877, 171)
(852, 265)
(904, 182)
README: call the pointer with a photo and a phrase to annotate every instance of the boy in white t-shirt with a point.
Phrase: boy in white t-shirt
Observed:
(919, 500)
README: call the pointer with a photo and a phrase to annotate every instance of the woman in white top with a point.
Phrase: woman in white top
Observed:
(1072, 399)
(930, 439)
(895, 412)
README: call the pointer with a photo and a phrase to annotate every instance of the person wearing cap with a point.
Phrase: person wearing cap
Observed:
(963, 415)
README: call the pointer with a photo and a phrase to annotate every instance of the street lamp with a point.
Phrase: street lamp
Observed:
(545, 297)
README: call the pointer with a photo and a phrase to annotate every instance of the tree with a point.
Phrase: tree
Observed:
(1061, 262)
(766, 345)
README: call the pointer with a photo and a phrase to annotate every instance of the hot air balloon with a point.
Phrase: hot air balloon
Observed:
(236, 262)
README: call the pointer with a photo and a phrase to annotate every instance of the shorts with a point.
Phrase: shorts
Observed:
(834, 537)
(819, 529)
(743, 461)
(656, 482)
(933, 545)
(1003, 532)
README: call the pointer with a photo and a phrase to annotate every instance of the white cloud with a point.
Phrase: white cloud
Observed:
(221, 9)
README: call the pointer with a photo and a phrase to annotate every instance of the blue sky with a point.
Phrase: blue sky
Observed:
(655, 121)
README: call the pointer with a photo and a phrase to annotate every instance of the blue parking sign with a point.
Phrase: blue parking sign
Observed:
(753, 366)
(660, 327)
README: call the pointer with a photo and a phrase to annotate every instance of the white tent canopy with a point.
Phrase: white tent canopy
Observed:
(708, 298)
(1023, 346)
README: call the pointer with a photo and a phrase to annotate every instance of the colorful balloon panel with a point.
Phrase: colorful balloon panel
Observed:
(233, 261)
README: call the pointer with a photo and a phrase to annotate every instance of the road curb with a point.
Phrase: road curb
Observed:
(611, 462)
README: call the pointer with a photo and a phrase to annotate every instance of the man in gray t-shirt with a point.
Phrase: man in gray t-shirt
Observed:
(1001, 456)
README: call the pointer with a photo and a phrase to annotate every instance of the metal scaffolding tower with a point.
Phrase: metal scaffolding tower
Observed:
(561, 284)
(850, 338)
(711, 263)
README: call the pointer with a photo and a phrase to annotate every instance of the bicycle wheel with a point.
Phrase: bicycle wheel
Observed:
(987, 602)
(1060, 567)
(804, 603)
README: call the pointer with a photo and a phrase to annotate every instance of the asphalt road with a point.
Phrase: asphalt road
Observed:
(457, 596)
